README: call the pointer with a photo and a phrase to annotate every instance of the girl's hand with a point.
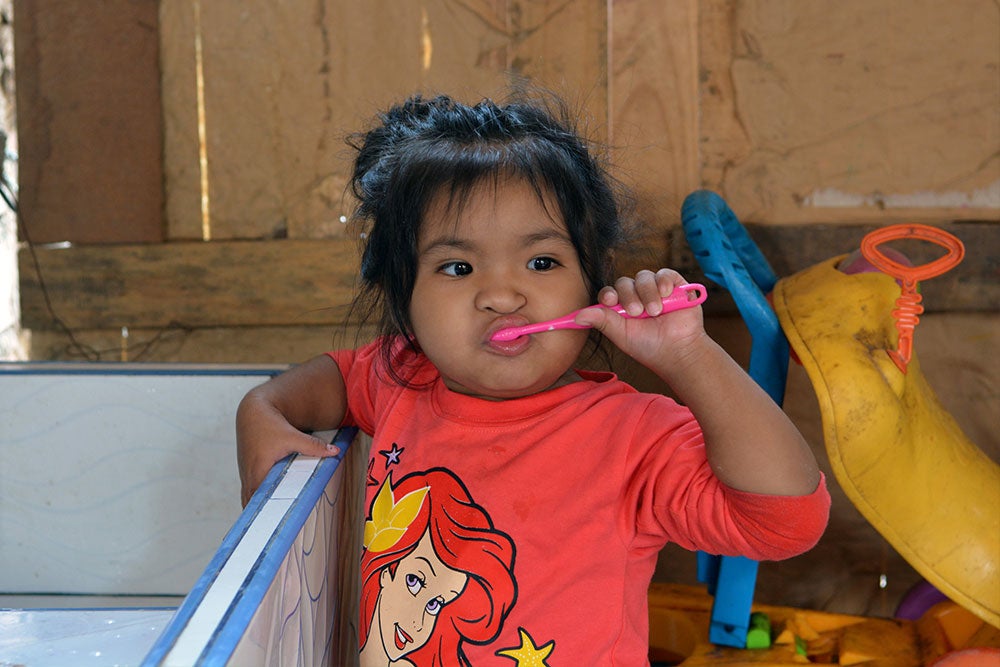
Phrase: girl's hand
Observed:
(656, 342)
(273, 419)
(264, 437)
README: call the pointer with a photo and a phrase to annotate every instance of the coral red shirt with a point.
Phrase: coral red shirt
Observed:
(584, 484)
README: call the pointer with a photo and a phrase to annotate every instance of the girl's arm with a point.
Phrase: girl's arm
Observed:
(271, 418)
(751, 444)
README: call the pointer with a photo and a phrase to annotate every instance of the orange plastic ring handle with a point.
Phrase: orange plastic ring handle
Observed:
(908, 307)
(912, 274)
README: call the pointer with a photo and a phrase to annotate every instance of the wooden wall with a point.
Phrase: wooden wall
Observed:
(193, 152)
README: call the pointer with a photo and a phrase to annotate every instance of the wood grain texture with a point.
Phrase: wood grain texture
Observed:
(803, 112)
(88, 121)
(864, 111)
(722, 137)
(653, 90)
(181, 144)
(192, 284)
(285, 83)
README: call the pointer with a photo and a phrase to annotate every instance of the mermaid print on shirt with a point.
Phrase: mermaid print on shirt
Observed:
(435, 573)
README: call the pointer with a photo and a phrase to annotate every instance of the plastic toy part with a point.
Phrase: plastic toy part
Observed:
(908, 307)
(759, 634)
(729, 257)
(898, 455)
(921, 597)
(731, 581)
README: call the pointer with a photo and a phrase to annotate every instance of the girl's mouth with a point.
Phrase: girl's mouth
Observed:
(402, 639)
(511, 347)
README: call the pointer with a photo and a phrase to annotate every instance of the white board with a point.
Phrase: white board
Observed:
(116, 479)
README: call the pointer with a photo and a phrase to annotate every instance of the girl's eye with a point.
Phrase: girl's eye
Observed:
(434, 606)
(542, 264)
(413, 584)
(456, 269)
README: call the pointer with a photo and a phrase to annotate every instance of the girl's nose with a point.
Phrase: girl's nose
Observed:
(500, 299)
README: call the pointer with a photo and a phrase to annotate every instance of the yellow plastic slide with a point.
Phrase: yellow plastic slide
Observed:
(898, 454)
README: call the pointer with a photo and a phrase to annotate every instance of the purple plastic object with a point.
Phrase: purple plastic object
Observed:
(921, 597)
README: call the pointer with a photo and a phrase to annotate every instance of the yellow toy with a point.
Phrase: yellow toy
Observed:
(901, 459)
(898, 454)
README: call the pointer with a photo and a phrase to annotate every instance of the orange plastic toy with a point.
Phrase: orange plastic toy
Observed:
(908, 307)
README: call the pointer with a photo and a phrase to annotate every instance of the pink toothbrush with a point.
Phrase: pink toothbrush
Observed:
(680, 298)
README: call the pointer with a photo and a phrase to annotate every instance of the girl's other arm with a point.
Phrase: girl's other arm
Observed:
(751, 444)
(271, 418)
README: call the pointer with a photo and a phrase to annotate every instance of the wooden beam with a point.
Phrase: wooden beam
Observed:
(190, 284)
(215, 345)
(297, 283)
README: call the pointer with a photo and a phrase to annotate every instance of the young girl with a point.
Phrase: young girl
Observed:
(485, 217)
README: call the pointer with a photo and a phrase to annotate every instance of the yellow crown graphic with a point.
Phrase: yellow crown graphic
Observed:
(391, 518)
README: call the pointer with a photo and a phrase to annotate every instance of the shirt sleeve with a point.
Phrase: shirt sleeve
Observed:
(779, 527)
(356, 368)
(679, 499)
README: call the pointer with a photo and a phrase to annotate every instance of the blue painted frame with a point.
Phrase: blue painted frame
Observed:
(237, 618)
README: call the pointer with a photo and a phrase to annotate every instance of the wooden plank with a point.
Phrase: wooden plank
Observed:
(182, 164)
(191, 284)
(89, 123)
(270, 283)
(878, 111)
(653, 90)
(723, 139)
(284, 83)
(210, 345)
(245, 148)
(563, 46)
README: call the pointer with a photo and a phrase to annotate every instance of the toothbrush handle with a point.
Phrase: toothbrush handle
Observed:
(678, 299)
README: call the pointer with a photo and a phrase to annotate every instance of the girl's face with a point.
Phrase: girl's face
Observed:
(503, 259)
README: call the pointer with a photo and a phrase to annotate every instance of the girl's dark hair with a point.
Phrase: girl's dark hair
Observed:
(427, 146)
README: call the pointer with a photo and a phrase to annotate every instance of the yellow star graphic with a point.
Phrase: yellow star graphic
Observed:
(527, 654)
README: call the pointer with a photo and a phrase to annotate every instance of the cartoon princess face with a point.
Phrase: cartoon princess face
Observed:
(435, 573)
(416, 593)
